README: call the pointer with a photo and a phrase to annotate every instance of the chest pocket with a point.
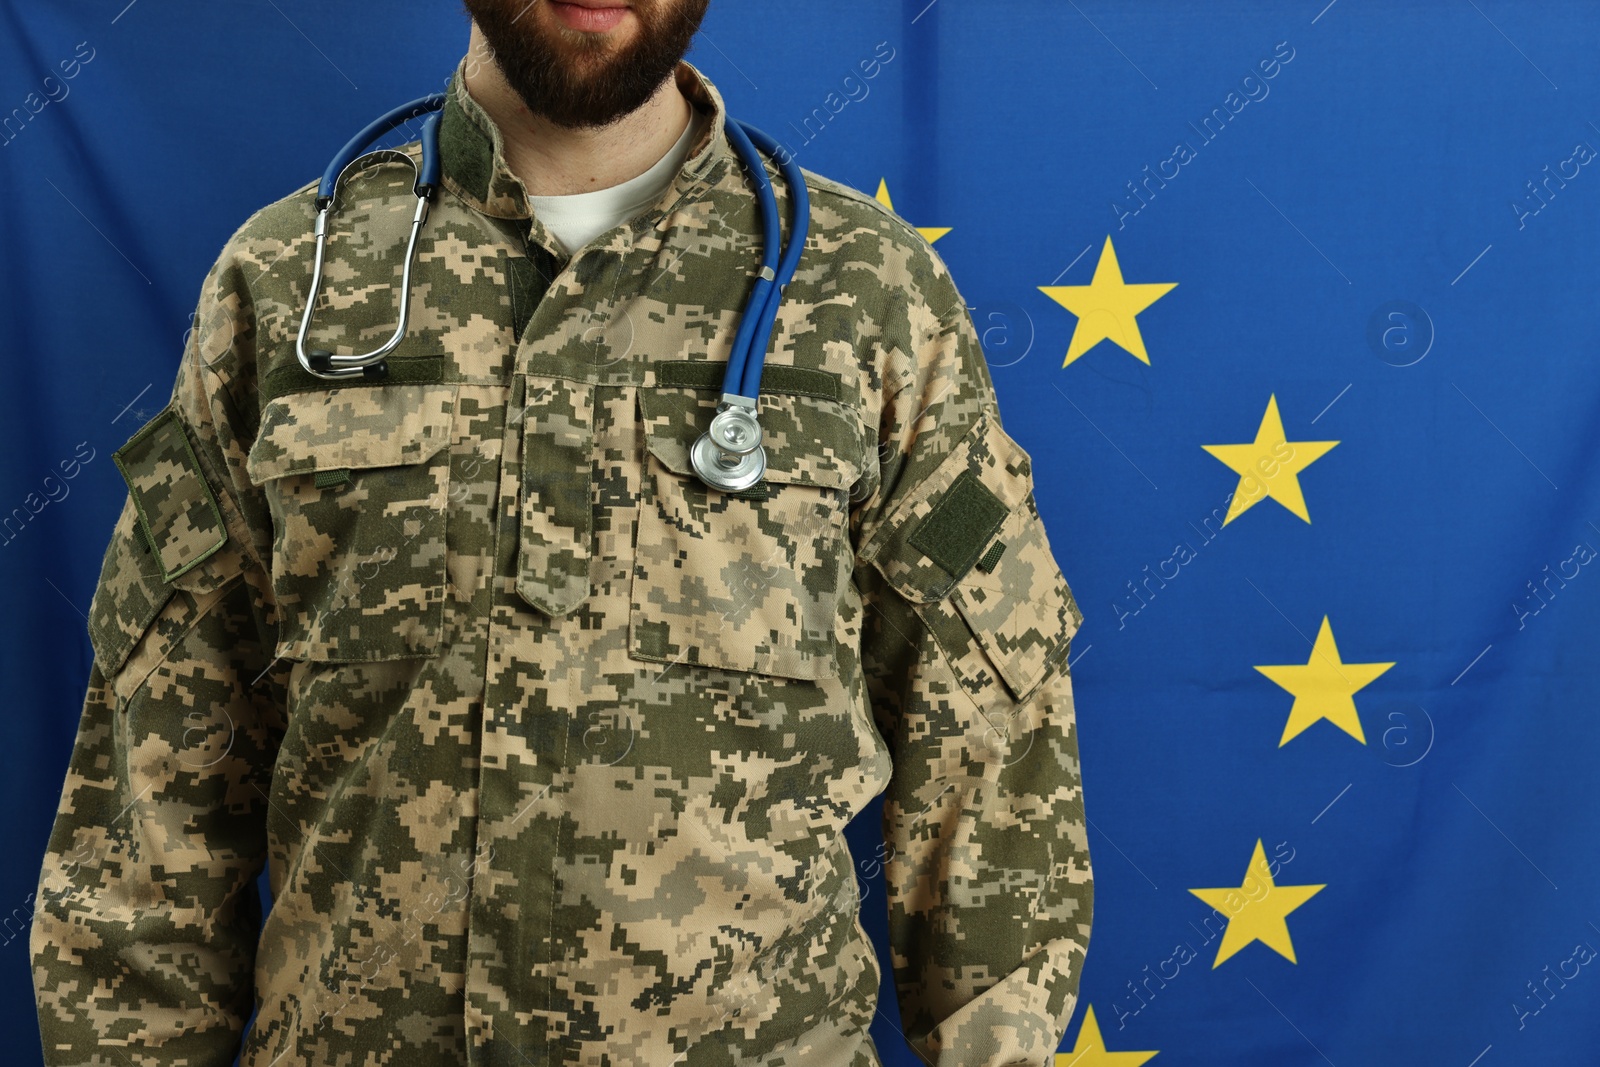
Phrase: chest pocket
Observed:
(357, 478)
(746, 581)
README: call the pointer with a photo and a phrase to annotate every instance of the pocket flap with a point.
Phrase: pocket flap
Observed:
(131, 596)
(1017, 603)
(809, 439)
(170, 541)
(351, 427)
(968, 545)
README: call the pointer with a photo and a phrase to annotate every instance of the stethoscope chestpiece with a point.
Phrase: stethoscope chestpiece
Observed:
(728, 455)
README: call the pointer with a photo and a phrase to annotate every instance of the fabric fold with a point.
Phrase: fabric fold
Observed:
(557, 522)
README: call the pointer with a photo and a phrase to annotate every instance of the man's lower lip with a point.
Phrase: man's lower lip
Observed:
(592, 19)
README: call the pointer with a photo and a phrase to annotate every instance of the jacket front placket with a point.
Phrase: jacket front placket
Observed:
(537, 672)
(543, 686)
(557, 520)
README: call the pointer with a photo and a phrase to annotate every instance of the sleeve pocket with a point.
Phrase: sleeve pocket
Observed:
(178, 513)
(169, 547)
(967, 547)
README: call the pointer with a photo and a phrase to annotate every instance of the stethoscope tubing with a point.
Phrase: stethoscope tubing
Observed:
(775, 274)
(729, 455)
(427, 175)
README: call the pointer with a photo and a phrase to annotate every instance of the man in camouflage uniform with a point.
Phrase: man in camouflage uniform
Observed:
(547, 746)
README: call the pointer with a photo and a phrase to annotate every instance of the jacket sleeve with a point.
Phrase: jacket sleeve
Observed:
(147, 913)
(964, 646)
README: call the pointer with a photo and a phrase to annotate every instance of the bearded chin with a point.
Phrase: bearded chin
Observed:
(578, 80)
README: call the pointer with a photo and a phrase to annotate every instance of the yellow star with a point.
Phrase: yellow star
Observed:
(1090, 1050)
(1324, 687)
(1256, 910)
(1106, 307)
(1268, 466)
(930, 234)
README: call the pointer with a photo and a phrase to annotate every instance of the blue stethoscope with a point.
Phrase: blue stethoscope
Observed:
(728, 455)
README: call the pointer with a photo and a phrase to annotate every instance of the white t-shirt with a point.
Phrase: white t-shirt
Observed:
(578, 218)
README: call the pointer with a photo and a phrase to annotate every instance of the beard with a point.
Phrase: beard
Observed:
(578, 79)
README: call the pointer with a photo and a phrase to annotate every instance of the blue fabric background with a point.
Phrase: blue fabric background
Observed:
(1385, 162)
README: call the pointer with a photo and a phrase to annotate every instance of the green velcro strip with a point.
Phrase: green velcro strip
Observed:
(991, 557)
(334, 476)
(775, 378)
(403, 370)
(178, 511)
(960, 524)
(760, 491)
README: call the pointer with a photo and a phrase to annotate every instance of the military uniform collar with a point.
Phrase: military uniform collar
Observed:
(473, 162)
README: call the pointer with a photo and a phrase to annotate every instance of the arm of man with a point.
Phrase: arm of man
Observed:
(144, 933)
(989, 884)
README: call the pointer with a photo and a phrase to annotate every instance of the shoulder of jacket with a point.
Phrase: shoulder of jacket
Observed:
(289, 219)
(848, 209)
(285, 219)
(860, 209)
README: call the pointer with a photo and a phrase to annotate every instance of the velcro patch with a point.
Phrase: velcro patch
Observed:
(960, 524)
(178, 513)
(402, 370)
(775, 378)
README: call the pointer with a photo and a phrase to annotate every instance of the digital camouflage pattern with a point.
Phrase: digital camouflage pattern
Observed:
(548, 748)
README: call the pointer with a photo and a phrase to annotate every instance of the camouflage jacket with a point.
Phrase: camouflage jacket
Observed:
(548, 747)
